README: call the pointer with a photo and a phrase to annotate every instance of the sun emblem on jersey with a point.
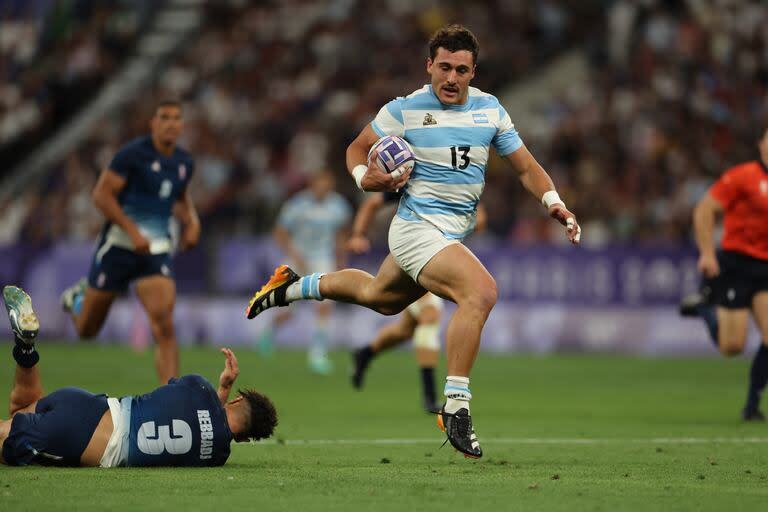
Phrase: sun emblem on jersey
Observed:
(764, 187)
(155, 166)
(182, 171)
(428, 119)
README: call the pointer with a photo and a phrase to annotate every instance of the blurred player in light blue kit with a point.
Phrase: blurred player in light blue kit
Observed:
(311, 230)
(184, 423)
(143, 186)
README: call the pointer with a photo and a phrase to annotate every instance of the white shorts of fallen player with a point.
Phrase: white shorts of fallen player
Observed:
(116, 453)
(414, 243)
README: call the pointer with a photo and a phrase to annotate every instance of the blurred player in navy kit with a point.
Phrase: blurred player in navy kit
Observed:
(736, 276)
(144, 185)
(184, 423)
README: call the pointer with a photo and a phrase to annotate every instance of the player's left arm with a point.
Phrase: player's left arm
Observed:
(228, 375)
(185, 211)
(536, 180)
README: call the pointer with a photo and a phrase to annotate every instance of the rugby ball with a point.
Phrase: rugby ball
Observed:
(393, 155)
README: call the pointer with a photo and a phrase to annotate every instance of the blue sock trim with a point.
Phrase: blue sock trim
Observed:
(314, 286)
(455, 388)
(305, 287)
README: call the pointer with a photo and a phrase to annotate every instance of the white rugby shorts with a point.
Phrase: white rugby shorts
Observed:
(116, 453)
(414, 243)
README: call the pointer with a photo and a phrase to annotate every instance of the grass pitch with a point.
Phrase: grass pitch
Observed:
(559, 433)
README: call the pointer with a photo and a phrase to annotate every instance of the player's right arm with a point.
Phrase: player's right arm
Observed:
(704, 226)
(358, 243)
(105, 194)
(228, 375)
(373, 178)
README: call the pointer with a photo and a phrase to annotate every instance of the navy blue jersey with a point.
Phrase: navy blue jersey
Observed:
(180, 424)
(154, 182)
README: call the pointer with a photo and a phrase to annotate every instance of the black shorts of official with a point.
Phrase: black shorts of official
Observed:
(59, 430)
(115, 268)
(741, 277)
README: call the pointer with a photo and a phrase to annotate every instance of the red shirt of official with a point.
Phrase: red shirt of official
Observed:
(743, 192)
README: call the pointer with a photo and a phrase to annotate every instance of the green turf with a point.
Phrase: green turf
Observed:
(529, 413)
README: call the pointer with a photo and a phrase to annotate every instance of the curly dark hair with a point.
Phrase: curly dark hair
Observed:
(454, 38)
(262, 416)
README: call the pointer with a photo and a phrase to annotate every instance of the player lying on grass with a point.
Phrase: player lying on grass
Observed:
(184, 423)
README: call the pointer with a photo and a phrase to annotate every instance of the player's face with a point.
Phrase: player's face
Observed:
(167, 124)
(322, 185)
(451, 73)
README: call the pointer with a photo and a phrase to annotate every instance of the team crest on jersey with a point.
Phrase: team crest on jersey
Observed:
(428, 119)
(480, 118)
(155, 166)
(182, 171)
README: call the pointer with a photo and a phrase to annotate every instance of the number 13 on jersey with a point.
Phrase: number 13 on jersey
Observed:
(460, 157)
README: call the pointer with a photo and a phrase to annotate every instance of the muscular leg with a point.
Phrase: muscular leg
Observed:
(93, 312)
(388, 293)
(758, 375)
(427, 357)
(426, 344)
(732, 330)
(387, 337)
(393, 334)
(26, 391)
(157, 294)
(456, 274)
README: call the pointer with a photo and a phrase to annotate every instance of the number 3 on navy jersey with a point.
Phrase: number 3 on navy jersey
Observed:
(155, 442)
(166, 186)
(464, 150)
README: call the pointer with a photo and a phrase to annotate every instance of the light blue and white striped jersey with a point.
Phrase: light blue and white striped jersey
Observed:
(451, 144)
(313, 224)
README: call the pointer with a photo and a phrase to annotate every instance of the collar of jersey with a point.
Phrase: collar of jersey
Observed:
(460, 108)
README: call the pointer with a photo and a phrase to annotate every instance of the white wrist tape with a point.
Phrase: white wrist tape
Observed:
(551, 197)
(358, 172)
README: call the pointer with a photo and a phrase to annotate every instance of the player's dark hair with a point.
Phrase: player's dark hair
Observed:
(261, 415)
(454, 38)
(167, 103)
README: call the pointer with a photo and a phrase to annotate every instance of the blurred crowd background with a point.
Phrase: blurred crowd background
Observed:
(274, 90)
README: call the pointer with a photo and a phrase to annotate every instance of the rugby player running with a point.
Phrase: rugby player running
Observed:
(144, 185)
(451, 127)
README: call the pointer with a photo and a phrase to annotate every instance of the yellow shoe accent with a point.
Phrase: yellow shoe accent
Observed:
(278, 278)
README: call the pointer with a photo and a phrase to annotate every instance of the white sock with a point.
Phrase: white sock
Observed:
(307, 287)
(457, 395)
